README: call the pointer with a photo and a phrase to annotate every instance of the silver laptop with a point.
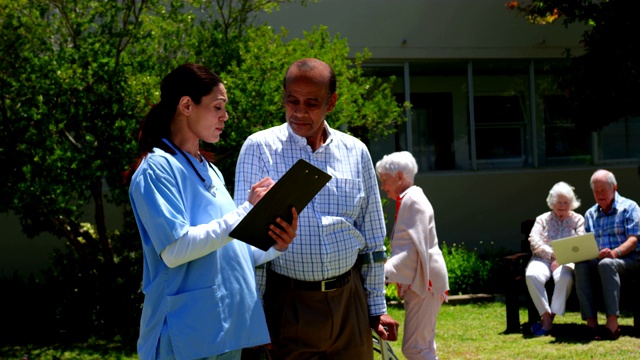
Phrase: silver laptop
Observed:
(574, 249)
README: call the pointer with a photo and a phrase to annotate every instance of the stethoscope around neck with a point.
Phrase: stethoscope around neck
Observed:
(211, 189)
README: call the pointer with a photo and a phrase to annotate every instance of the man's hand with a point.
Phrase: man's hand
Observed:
(285, 232)
(385, 326)
(606, 253)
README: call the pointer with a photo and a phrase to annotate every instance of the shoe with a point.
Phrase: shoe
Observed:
(541, 332)
(593, 334)
(535, 327)
(611, 335)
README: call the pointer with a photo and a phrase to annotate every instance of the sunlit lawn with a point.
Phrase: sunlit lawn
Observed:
(474, 331)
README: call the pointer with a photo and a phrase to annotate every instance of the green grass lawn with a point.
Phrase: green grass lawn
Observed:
(93, 349)
(476, 331)
(473, 331)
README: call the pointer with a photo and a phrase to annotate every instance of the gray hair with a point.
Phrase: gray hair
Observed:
(611, 179)
(401, 161)
(562, 188)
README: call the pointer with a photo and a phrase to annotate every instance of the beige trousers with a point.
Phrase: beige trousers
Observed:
(420, 325)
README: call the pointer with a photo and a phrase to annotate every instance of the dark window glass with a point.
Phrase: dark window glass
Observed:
(561, 138)
(499, 127)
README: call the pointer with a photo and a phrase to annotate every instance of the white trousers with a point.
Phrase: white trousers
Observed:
(537, 274)
(418, 342)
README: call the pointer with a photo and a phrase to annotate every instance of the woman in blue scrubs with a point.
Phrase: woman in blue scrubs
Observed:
(199, 284)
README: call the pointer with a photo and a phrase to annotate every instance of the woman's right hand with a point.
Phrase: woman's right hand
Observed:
(259, 189)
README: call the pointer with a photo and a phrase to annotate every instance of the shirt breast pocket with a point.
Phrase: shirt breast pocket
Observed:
(341, 198)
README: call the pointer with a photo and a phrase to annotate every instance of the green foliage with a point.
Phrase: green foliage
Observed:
(470, 271)
(391, 293)
(603, 85)
(467, 271)
(67, 114)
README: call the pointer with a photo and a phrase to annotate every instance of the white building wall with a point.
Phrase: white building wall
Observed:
(430, 29)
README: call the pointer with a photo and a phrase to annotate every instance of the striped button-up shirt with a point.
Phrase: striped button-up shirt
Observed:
(344, 220)
(613, 229)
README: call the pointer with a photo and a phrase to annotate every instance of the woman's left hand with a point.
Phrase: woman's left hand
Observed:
(259, 189)
(285, 232)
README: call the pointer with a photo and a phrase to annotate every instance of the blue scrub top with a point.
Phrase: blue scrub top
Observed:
(209, 305)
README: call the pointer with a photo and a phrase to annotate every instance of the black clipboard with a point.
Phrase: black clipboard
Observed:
(295, 188)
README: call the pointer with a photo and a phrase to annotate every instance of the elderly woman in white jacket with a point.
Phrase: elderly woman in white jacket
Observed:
(558, 223)
(416, 264)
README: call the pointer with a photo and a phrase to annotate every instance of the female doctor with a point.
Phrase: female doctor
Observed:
(199, 284)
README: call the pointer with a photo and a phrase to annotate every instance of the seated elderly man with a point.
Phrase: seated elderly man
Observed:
(614, 220)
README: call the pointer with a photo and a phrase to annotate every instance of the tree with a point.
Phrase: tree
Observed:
(71, 94)
(603, 84)
(66, 109)
(255, 88)
(76, 77)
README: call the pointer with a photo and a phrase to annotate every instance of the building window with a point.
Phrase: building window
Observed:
(619, 140)
(432, 130)
(562, 142)
(505, 133)
(500, 127)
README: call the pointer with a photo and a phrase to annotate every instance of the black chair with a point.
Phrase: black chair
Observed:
(515, 265)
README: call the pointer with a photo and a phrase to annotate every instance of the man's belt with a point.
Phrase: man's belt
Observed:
(372, 257)
(324, 285)
(364, 258)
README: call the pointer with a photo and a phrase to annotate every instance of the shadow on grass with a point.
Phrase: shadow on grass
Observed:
(576, 333)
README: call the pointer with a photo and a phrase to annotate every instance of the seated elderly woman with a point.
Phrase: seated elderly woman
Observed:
(416, 264)
(561, 222)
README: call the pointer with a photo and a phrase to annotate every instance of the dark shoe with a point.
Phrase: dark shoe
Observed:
(611, 335)
(593, 334)
(541, 332)
(535, 327)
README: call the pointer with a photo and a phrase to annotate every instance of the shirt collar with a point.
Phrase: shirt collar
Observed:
(302, 141)
(405, 192)
(614, 206)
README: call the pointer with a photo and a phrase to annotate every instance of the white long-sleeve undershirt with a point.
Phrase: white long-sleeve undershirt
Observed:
(203, 239)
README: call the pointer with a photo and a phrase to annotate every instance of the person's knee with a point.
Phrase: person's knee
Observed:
(581, 270)
(565, 280)
(534, 278)
(606, 267)
(581, 267)
(606, 262)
